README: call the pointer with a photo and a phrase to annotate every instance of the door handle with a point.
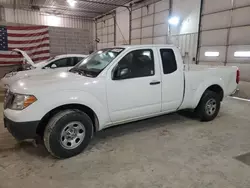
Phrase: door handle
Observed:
(155, 82)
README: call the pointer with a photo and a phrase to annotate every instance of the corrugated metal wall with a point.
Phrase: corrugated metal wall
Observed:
(187, 44)
(37, 18)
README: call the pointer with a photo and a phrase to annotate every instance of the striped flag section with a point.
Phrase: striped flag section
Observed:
(34, 40)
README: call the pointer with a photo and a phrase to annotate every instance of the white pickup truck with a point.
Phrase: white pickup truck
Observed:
(58, 63)
(111, 87)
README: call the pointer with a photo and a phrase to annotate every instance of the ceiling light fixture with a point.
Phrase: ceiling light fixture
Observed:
(71, 2)
(212, 54)
(242, 54)
(174, 20)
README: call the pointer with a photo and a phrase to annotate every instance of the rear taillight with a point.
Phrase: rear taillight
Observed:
(238, 76)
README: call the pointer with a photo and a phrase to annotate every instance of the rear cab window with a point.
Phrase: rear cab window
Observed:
(169, 64)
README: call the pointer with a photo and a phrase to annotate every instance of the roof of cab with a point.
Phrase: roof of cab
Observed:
(71, 55)
(145, 45)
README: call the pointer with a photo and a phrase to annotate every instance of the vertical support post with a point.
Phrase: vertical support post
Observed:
(114, 14)
(170, 14)
(199, 33)
(229, 31)
(130, 22)
(95, 34)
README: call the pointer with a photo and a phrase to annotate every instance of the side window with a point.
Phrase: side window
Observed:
(138, 63)
(71, 62)
(59, 63)
(77, 60)
(168, 61)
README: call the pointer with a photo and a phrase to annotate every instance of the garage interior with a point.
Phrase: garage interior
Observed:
(168, 151)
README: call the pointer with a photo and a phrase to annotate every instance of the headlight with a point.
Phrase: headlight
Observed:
(22, 101)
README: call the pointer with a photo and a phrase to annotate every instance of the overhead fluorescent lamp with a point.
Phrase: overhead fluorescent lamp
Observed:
(174, 20)
(242, 54)
(212, 54)
(71, 2)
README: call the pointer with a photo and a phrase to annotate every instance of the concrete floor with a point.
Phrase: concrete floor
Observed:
(171, 151)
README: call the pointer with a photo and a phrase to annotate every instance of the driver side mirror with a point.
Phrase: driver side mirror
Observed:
(121, 73)
(53, 66)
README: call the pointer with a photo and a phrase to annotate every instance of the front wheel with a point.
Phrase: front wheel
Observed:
(209, 106)
(68, 133)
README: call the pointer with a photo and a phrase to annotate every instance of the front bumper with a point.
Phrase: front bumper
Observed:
(21, 130)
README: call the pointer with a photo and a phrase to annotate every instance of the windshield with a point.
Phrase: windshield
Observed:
(93, 65)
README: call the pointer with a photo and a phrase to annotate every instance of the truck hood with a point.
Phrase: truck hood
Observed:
(49, 82)
(25, 56)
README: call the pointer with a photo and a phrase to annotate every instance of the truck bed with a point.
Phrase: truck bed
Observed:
(198, 77)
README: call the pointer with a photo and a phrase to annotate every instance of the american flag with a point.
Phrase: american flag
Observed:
(34, 40)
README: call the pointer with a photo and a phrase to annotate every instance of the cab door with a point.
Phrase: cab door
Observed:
(172, 80)
(134, 86)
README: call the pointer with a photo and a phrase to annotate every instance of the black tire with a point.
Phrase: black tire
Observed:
(52, 133)
(201, 108)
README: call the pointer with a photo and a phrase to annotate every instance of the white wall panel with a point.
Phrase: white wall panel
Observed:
(240, 35)
(147, 41)
(147, 20)
(111, 38)
(240, 3)
(105, 38)
(110, 44)
(150, 21)
(147, 10)
(214, 37)
(106, 31)
(161, 30)
(99, 46)
(99, 32)
(136, 23)
(216, 21)
(160, 40)
(136, 13)
(136, 41)
(122, 26)
(211, 6)
(136, 34)
(99, 25)
(241, 16)
(147, 32)
(111, 29)
(161, 5)
(110, 21)
(161, 17)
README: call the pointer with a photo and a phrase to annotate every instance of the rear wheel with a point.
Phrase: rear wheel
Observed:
(68, 133)
(209, 106)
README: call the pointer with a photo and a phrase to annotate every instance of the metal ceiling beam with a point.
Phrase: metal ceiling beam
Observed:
(104, 3)
(52, 8)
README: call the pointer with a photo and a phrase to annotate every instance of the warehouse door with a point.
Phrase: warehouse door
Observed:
(225, 34)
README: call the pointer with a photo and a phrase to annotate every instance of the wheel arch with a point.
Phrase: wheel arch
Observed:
(45, 119)
(217, 88)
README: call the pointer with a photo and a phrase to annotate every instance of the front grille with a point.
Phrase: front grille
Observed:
(8, 99)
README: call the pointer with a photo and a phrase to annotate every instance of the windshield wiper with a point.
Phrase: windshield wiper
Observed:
(81, 72)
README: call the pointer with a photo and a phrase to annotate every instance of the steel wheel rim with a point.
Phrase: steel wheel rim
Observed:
(211, 107)
(72, 135)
